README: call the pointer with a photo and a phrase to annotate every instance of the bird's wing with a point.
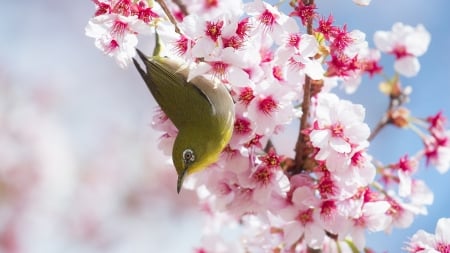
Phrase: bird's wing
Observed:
(183, 102)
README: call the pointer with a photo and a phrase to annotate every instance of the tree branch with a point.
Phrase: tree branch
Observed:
(169, 14)
(300, 147)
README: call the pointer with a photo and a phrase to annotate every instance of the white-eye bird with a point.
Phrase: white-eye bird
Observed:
(202, 110)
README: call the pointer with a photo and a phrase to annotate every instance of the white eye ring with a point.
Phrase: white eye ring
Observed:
(188, 156)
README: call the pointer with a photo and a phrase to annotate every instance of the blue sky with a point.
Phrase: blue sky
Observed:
(45, 40)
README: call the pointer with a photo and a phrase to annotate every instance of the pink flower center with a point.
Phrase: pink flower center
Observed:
(405, 164)
(304, 12)
(328, 208)
(267, 18)
(242, 126)
(326, 187)
(341, 65)
(341, 39)
(263, 175)
(443, 247)
(294, 40)
(277, 72)
(305, 217)
(437, 121)
(242, 28)
(326, 27)
(234, 41)
(145, 13)
(371, 67)
(181, 45)
(119, 28)
(267, 105)
(219, 68)
(400, 51)
(271, 159)
(214, 29)
(357, 158)
(337, 130)
(246, 95)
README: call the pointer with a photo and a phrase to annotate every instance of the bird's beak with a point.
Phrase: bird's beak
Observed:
(181, 179)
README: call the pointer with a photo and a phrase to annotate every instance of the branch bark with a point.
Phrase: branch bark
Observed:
(300, 147)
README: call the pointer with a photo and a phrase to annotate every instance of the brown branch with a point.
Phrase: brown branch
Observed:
(301, 139)
(380, 125)
(300, 147)
(397, 97)
(169, 14)
(386, 119)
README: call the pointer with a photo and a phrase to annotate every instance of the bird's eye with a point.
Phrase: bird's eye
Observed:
(188, 156)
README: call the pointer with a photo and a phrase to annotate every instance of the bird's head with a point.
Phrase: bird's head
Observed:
(193, 151)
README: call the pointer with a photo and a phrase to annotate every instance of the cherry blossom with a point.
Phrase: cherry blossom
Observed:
(437, 152)
(372, 217)
(406, 43)
(303, 219)
(438, 242)
(115, 27)
(265, 16)
(338, 127)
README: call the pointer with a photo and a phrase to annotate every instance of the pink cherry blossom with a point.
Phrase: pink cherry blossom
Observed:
(338, 127)
(303, 219)
(116, 35)
(437, 151)
(406, 43)
(265, 16)
(270, 107)
(115, 27)
(439, 242)
(373, 218)
(298, 51)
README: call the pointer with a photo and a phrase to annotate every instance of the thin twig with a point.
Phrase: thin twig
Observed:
(169, 14)
(385, 120)
(396, 99)
(380, 125)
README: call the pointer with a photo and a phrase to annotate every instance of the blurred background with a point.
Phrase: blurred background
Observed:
(80, 169)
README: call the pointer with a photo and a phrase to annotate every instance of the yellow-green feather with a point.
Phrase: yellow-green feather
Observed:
(202, 110)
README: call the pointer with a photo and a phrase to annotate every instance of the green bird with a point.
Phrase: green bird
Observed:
(202, 110)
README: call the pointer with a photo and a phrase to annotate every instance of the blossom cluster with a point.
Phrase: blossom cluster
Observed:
(436, 243)
(273, 63)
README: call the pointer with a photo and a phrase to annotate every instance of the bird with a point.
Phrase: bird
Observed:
(202, 110)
